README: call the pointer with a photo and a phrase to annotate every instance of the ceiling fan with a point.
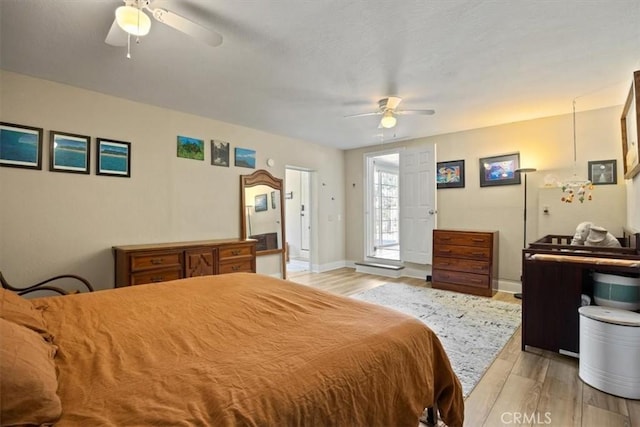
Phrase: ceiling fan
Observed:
(131, 20)
(388, 108)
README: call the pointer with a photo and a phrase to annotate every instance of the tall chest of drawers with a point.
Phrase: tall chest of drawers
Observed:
(160, 262)
(465, 261)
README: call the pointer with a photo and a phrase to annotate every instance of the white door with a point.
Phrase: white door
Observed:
(417, 203)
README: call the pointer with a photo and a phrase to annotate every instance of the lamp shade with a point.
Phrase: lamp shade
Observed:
(133, 20)
(388, 120)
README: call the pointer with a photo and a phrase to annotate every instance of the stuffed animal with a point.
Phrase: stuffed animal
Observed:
(582, 232)
(599, 236)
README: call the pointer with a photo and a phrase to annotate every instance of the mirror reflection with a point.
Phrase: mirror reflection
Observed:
(263, 215)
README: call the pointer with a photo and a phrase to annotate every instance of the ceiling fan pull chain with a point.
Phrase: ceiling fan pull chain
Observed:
(128, 46)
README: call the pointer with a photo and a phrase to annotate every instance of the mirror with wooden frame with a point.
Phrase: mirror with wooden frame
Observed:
(261, 213)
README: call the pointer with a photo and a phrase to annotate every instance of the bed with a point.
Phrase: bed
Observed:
(236, 349)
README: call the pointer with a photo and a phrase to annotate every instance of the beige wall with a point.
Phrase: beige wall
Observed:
(546, 144)
(52, 223)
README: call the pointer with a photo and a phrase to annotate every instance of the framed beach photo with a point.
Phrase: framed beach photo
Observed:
(261, 203)
(603, 172)
(69, 152)
(20, 146)
(499, 170)
(450, 174)
(190, 148)
(113, 158)
(245, 158)
(219, 153)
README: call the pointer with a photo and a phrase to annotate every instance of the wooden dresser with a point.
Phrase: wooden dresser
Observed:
(159, 262)
(465, 261)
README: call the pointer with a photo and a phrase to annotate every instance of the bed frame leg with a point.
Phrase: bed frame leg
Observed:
(431, 418)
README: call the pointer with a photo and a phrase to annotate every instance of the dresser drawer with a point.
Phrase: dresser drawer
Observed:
(469, 252)
(461, 278)
(462, 238)
(230, 252)
(155, 260)
(156, 276)
(461, 264)
(241, 266)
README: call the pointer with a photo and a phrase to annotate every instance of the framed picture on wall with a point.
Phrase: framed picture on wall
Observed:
(219, 153)
(190, 148)
(20, 146)
(499, 170)
(69, 152)
(113, 158)
(603, 172)
(245, 158)
(631, 129)
(261, 203)
(450, 174)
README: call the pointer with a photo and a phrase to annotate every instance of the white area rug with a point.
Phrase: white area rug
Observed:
(472, 329)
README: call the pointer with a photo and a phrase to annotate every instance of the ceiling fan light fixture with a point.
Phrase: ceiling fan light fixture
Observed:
(388, 120)
(133, 20)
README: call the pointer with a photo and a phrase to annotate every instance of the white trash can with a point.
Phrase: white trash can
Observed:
(610, 350)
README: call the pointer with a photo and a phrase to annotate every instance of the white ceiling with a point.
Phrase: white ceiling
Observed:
(296, 67)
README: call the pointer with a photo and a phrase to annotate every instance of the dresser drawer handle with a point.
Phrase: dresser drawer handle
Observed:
(476, 280)
(476, 239)
(236, 252)
(156, 261)
(236, 267)
(477, 253)
(445, 251)
(157, 279)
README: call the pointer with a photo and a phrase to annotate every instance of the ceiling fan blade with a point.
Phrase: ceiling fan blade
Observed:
(377, 113)
(188, 27)
(116, 35)
(415, 112)
(393, 102)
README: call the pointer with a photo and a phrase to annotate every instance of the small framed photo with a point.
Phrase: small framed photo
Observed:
(499, 170)
(273, 200)
(261, 203)
(113, 158)
(69, 152)
(603, 172)
(190, 148)
(20, 146)
(450, 174)
(219, 153)
(245, 158)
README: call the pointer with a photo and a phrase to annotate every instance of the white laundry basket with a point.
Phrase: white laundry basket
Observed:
(610, 350)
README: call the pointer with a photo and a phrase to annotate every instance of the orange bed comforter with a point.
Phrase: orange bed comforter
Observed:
(244, 349)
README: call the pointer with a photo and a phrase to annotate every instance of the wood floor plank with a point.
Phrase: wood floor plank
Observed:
(479, 403)
(597, 417)
(634, 412)
(531, 366)
(518, 398)
(596, 398)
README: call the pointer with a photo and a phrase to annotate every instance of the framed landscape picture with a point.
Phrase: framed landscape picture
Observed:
(450, 174)
(261, 203)
(20, 146)
(630, 123)
(69, 152)
(190, 148)
(499, 170)
(219, 153)
(245, 158)
(113, 158)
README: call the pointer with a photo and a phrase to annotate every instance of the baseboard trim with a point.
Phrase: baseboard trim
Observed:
(510, 286)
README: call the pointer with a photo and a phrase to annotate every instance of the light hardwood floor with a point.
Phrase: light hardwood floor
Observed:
(529, 388)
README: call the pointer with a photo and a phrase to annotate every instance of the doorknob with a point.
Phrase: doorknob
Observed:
(431, 211)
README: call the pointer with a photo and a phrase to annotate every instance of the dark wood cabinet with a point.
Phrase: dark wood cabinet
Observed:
(160, 262)
(465, 261)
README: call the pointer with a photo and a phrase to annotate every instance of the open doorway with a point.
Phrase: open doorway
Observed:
(298, 219)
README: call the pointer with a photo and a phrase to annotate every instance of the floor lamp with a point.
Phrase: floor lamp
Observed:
(524, 171)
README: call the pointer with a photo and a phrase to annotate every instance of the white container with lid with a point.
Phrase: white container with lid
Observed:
(610, 350)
